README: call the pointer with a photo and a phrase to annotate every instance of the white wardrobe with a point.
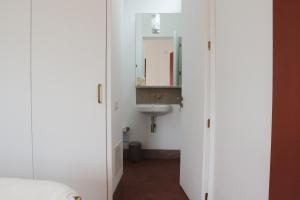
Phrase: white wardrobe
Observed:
(52, 92)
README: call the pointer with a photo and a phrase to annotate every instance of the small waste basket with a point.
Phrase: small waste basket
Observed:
(135, 151)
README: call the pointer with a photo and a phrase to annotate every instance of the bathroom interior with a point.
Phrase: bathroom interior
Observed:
(152, 100)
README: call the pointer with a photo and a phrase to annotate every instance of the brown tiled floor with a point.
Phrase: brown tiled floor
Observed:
(152, 180)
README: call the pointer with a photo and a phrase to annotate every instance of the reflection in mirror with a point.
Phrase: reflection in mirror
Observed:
(158, 49)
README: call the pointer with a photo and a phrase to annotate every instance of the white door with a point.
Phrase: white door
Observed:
(243, 99)
(69, 125)
(194, 112)
(157, 60)
(15, 123)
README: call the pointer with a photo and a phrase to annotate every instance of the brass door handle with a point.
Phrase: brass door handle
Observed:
(99, 93)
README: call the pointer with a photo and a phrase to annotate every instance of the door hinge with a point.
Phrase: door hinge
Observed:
(206, 196)
(208, 123)
(100, 93)
(209, 45)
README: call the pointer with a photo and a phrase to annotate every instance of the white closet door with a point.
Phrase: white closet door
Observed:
(15, 124)
(69, 125)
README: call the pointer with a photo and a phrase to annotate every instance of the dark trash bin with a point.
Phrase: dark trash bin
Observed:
(135, 151)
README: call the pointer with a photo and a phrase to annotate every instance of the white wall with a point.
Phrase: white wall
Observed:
(114, 91)
(168, 24)
(167, 135)
(243, 99)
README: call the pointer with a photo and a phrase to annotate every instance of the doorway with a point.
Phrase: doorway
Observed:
(182, 130)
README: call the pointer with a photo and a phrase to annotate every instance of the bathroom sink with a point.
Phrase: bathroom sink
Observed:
(154, 109)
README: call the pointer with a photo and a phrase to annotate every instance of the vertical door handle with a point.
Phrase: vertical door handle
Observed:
(99, 93)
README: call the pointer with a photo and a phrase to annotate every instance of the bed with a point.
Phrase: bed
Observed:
(25, 189)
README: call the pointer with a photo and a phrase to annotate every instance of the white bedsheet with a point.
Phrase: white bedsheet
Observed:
(22, 189)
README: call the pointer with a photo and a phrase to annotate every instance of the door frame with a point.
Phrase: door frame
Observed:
(209, 136)
(108, 89)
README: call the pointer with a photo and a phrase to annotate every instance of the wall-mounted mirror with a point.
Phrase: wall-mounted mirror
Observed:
(158, 49)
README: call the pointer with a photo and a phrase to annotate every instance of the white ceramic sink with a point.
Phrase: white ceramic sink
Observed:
(154, 109)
